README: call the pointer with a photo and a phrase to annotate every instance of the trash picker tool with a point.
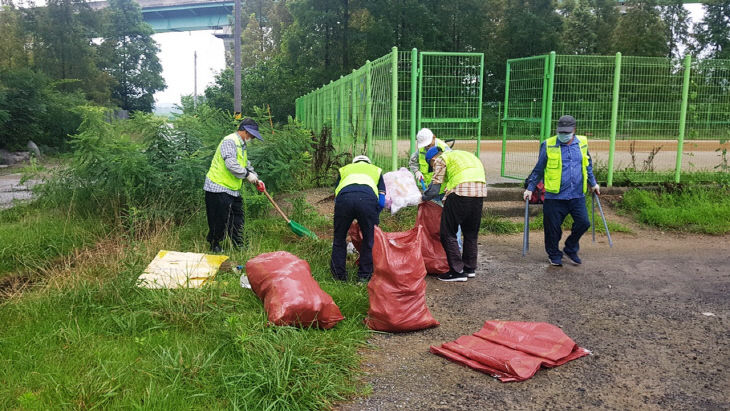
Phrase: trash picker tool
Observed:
(603, 217)
(526, 234)
(593, 217)
(295, 227)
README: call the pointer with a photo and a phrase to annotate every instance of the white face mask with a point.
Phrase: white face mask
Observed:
(565, 137)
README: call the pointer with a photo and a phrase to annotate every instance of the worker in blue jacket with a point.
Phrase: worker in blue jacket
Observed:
(359, 194)
(567, 170)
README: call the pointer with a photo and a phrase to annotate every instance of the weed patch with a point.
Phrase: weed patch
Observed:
(704, 209)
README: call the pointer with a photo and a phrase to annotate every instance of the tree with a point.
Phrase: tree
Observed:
(677, 23)
(129, 54)
(13, 40)
(641, 31)
(579, 29)
(713, 32)
(256, 45)
(61, 46)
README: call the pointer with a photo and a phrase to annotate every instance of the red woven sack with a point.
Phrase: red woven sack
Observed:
(397, 289)
(434, 256)
(290, 294)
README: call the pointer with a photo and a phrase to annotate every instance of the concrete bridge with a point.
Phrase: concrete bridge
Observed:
(183, 15)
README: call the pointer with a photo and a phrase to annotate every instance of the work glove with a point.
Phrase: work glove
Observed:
(252, 177)
(381, 202)
(596, 189)
(419, 176)
(261, 186)
(526, 195)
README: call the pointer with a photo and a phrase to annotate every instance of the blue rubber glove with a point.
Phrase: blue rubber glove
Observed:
(381, 202)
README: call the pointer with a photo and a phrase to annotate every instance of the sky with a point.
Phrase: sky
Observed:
(176, 57)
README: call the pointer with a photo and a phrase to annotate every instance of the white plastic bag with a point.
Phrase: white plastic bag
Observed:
(400, 190)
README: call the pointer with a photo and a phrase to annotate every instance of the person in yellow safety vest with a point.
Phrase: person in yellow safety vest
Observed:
(462, 174)
(223, 183)
(418, 165)
(359, 194)
(566, 167)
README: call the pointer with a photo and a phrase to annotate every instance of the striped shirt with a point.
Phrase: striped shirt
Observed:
(468, 189)
(228, 152)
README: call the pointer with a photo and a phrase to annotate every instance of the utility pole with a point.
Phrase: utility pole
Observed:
(195, 79)
(237, 57)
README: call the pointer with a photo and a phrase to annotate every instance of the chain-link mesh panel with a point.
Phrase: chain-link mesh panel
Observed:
(522, 123)
(706, 146)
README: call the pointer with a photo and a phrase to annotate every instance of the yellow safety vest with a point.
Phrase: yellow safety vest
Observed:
(219, 173)
(554, 167)
(462, 167)
(359, 173)
(423, 165)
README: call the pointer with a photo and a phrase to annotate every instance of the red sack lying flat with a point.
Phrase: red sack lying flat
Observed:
(512, 351)
(434, 256)
(290, 294)
(397, 289)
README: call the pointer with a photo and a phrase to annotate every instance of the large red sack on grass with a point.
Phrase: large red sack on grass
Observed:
(512, 351)
(434, 256)
(290, 294)
(397, 289)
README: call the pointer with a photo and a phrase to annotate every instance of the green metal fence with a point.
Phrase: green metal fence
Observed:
(378, 108)
(648, 119)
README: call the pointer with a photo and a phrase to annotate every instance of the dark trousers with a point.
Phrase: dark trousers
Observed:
(554, 212)
(225, 216)
(348, 207)
(467, 213)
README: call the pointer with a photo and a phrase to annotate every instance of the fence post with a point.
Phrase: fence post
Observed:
(479, 105)
(614, 118)
(354, 108)
(420, 90)
(368, 109)
(549, 97)
(341, 86)
(414, 78)
(683, 116)
(505, 122)
(394, 109)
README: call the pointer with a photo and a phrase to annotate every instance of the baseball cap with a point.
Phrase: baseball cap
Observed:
(424, 138)
(251, 126)
(430, 154)
(566, 124)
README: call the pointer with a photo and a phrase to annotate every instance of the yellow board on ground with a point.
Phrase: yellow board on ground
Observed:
(174, 269)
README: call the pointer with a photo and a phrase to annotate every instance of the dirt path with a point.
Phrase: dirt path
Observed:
(637, 306)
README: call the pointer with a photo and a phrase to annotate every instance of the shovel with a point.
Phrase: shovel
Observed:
(295, 227)
(603, 217)
(526, 235)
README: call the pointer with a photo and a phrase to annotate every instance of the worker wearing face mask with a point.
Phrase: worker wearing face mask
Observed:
(567, 170)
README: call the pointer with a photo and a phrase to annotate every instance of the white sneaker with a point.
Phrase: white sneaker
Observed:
(470, 274)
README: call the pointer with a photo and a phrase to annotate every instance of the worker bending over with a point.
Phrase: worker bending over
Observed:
(567, 170)
(425, 139)
(462, 174)
(359, 194)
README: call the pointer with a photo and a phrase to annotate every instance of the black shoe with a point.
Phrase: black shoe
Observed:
(216, 248)
(452, 276)
(556, 263)
(574, 258)
(470, 274)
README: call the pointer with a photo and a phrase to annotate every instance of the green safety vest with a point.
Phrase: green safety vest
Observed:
(554, 167)
(462, 167)
(359, 173)
(423, 165)
(219, 173)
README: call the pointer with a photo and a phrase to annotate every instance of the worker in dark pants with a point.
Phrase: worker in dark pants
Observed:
(566, 167)
(463, 174)
(360, 195)
(223, 183)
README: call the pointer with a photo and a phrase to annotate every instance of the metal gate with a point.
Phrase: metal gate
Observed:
(527, 113)
(450, 95)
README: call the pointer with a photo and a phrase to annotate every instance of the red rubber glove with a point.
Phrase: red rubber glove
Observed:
(261, 186)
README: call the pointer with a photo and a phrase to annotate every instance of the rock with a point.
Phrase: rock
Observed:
(33, 148)
(7, 157)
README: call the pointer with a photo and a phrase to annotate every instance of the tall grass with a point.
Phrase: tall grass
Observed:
(702, 209)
